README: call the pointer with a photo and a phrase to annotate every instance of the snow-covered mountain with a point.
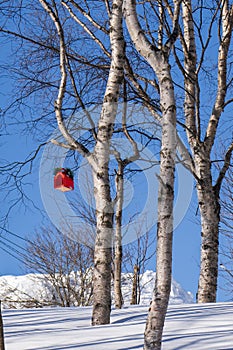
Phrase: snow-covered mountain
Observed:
(34, 290)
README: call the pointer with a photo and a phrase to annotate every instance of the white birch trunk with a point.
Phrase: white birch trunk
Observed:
(134, 295)
(208, 201)
(104, 205)
(158, 307)
(208, 193)
(158, 59)
(104, 224)
(99, 160)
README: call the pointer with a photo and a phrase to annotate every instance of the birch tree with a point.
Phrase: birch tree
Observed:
(104, 213)
(202, 142)
(50, 52)
(158, 57)
(195, 38)
(99, 158)
(204, 27)
(119, 201)
(226, 230)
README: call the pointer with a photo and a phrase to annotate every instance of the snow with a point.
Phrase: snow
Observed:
(35, 289)
(187, 326)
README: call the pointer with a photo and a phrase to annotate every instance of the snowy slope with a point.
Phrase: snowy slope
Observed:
(200, 327)
(34, 290)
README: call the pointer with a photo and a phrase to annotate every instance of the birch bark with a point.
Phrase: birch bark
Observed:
(99, 159)
(104, 204)
(208, 192)
(158, 58)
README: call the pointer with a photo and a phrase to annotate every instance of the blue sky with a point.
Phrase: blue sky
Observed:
(24, 220)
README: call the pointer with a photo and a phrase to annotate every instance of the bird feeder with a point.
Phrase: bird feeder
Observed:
(63, 179)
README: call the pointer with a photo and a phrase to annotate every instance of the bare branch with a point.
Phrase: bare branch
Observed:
(125, 130)
(227, 25)
(83, 25)
(62, 88)
(175, 32)
(78, 97)
(190, 73)
(225, 167)
(86, 14)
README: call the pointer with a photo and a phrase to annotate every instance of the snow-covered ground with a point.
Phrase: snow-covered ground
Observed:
(188, 326)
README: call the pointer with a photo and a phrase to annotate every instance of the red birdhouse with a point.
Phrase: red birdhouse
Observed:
(63, 179)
